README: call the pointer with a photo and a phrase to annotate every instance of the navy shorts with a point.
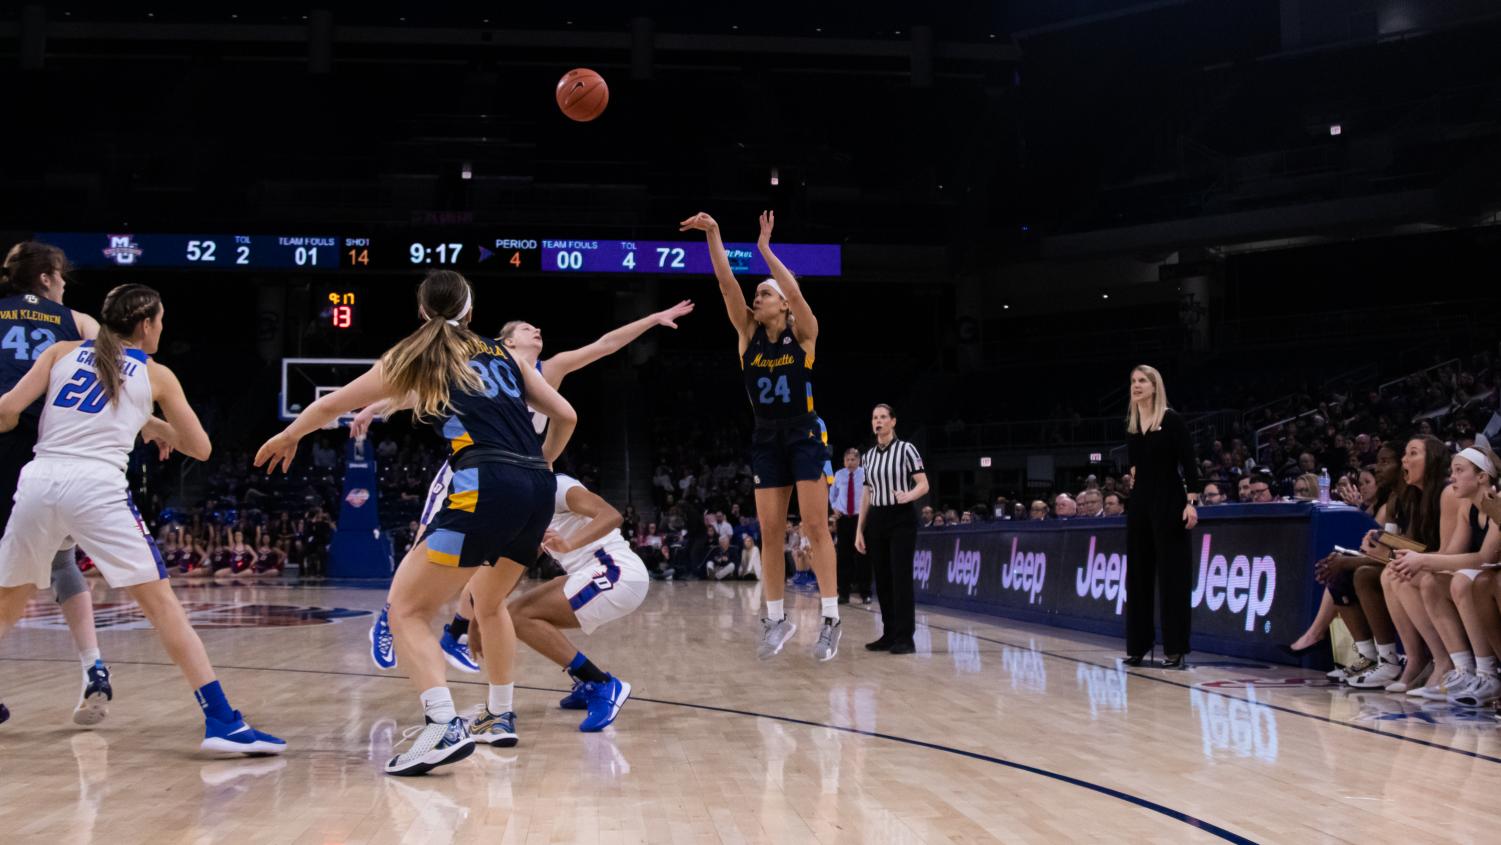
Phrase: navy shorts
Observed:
(492, 511)
(781, 457)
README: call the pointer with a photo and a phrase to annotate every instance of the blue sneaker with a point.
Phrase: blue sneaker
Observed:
(382, 644)
(436, 744)
(456, 652)
(4, 713)
(498, 731)
(605, 701)
(578, 699)
(93, 702)
(237, 737)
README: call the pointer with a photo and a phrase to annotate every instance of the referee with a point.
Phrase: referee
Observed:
(887, 529)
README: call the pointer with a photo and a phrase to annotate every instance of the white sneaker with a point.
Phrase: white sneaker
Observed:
(774, 635)
(1384, 673)
(436, 744)
(1486, 690)
(1419, 681)
(1454, 681)
(1361, 666)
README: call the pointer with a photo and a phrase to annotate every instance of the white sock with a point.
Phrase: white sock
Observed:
(500, 698)
(1486, 665)
(1367, 649)
(88, 657)
(1464, 661)
(774, 610)
(437, 703)
(1388, 651)
(830, 607)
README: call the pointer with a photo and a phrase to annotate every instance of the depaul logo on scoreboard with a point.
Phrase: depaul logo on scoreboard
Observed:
(123, 250)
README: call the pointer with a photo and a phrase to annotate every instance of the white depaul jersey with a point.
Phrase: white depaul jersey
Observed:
(565, 522)
(78, 420)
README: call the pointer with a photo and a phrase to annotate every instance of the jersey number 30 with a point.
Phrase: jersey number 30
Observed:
(780, 389)
(497, 378)
(83, 392)
(15, 340)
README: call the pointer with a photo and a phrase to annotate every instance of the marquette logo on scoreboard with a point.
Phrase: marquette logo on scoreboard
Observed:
(122, 250)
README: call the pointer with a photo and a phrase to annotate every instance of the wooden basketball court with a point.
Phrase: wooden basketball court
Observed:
(993, 731)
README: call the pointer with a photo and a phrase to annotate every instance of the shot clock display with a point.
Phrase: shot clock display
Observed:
(504, 254)
(340, 309)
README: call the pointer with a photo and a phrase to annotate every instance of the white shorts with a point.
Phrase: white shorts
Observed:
(85, 499)
(435, 493)
(608, 590)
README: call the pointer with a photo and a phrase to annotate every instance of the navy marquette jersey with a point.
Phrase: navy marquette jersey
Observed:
(28, 325)
(778, 376)
(500, 498)
(496, 417)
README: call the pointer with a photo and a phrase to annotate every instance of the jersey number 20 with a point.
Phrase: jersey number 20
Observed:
(780, 389)
(84, 392)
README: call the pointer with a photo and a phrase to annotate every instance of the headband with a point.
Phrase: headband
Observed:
(772, 283)
(1478, 458)
(468, 306)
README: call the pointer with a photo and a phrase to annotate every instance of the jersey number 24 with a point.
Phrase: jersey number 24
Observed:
(780, 390)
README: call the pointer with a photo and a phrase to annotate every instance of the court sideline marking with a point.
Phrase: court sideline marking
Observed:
(1207, 691)
(1138, 801)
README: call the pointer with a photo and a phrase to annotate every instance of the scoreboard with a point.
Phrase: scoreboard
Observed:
(505, 253)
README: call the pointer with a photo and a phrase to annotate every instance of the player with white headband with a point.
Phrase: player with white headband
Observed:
(790, 446)
(1457, 592)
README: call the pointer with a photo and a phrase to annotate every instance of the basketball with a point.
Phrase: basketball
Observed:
(583, 94)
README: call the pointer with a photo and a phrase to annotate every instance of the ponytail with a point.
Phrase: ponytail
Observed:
(427, 362)
(124, 309)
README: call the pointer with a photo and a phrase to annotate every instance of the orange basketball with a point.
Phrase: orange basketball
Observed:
(583, 94)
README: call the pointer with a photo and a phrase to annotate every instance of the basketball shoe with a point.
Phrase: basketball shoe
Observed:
(436, 744)
(605, 700)
(497, 731)
(93, 702)
(382, 644)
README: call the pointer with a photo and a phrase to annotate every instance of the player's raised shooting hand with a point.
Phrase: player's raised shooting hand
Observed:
(768, 220)
(700, 221)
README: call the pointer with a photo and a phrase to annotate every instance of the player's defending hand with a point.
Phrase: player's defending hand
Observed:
(280, 449)
(669, 318)
(768, 220)
(555, 544)
(360, 425)
(158, 433)
(700, 221)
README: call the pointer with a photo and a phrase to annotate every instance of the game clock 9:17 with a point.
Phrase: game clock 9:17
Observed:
(502, 254)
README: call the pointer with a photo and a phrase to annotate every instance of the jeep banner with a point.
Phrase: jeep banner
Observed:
(1251, 577)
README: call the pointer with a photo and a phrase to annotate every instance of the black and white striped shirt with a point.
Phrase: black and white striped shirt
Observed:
(889, 471)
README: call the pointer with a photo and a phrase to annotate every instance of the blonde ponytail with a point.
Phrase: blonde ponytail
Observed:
(429, 361)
